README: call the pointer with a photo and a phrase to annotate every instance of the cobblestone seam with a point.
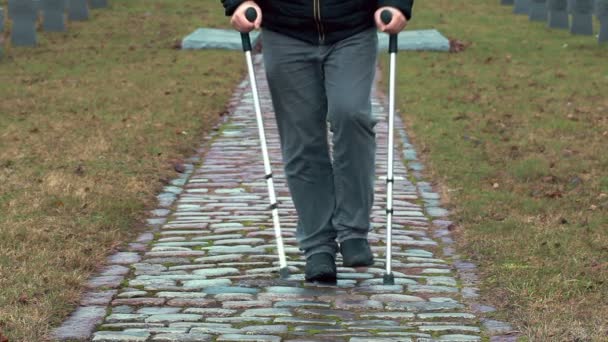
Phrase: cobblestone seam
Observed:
(206, 270)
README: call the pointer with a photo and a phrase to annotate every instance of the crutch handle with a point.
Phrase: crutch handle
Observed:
(387, 17)
(251, 14)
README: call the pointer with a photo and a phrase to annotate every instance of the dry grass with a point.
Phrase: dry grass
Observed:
(90, 123)
(516, 130)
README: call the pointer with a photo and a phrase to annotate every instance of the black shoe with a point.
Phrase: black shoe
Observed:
(320, 267)
(356, 253)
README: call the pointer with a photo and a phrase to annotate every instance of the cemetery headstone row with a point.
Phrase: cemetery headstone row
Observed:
(24, 15)
(576, 15)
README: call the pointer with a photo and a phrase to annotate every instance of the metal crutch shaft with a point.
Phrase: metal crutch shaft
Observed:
(389, 277)
(251, 15)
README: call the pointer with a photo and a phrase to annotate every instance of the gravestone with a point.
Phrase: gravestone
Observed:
(78, 10)
(538, 10)
(506, 2)
(53, 14)
(558, 14)
(24, 15)
(602, 15)
(582, 17)
(570, 6)
(521, 7)
(99, 3)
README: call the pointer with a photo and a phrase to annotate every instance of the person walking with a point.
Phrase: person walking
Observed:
(320, 60)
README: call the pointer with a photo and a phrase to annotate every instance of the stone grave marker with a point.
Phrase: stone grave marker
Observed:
(23, 14)
(538, 10)
(558, 14)
(522, 7)
(78, 10)
(99, 3)
(582, 17)
(602, 15)
(506, 2)
(53, 14)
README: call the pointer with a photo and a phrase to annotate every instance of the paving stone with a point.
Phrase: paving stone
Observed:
(137, 325)
(240, 320)
(448, 327)
(182, 337)
(105, 282)
(171, 318)
(118, 318)
(459, 338)
(497, 327)
(301, 304)
(217, 272)
(434, 315)
(422, 306)
(133, 335)
(211, 312)
(139, 301)
(387, 298)
(158, 310)
(246, 304)
(270, 312)
(213, 290)
(214, 328)
(248, 338)
(431, 289)
(380, 339)
(298, 320)
(327, 313)
(347, 304)
(133, 294)
(181, 294)
(390, 315)
(204, 283)
(265, 329)
(98, 298)
(191, 302)
(449, 281)
(123, 309)
(231, 297)
(81, 323)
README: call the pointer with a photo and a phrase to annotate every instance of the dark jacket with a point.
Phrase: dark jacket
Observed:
(320, 21)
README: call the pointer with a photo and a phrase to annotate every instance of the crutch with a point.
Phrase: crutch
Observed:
(252, 15)
(389, 277)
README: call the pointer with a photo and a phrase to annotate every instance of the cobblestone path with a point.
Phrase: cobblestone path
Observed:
(208, 271)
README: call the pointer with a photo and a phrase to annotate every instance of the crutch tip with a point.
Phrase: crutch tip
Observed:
(284, 272)
(389, 279)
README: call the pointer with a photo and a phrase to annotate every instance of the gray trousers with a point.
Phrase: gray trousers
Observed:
(311, 85)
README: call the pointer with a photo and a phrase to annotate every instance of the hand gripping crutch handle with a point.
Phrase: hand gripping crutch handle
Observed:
(251, 14)
(387, 17)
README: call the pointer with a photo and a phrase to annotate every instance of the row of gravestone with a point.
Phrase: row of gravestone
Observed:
(24, 16)
(575, 15)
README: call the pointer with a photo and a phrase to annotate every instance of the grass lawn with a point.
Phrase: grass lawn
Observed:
(515, 129)
(91, 122)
